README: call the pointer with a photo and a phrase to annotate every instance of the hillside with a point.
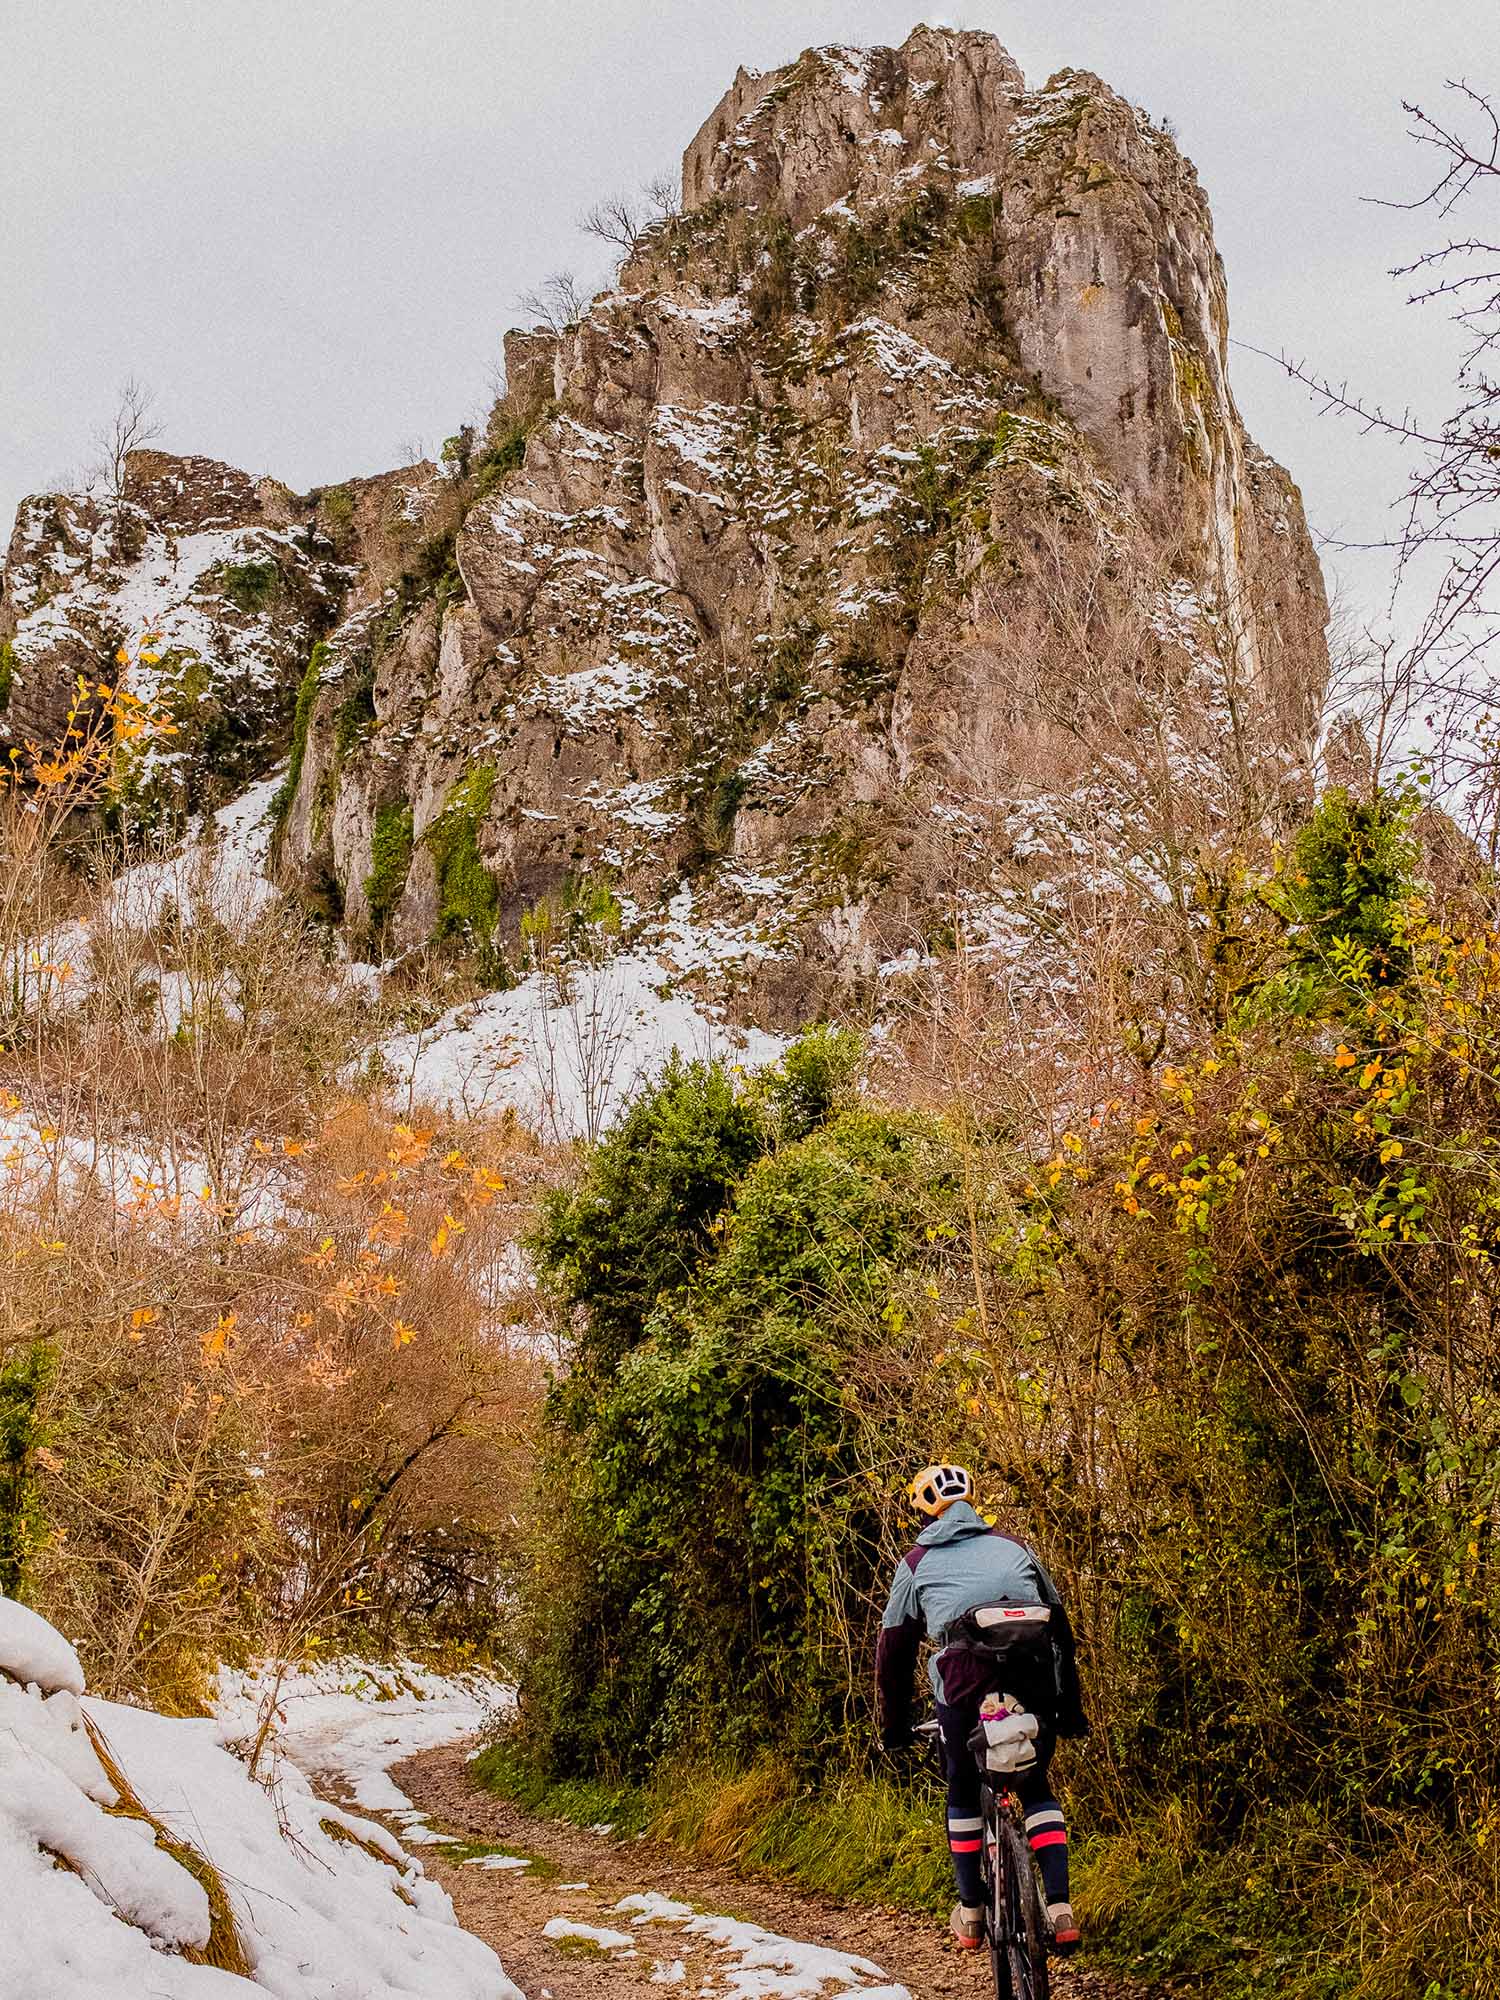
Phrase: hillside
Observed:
(744, 634)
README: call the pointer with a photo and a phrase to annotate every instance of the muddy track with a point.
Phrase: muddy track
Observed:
(581, 1876)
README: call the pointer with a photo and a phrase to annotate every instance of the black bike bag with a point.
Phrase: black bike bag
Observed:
(1009, 1647)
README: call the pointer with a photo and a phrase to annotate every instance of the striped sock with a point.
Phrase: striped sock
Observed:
(964, 1841)
(1048, 1833)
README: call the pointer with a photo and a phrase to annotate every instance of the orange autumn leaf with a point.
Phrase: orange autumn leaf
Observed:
(448, 1228)
(216, 1339)
(389, 1226)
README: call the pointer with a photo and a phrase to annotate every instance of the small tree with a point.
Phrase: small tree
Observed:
(131, 428)
(557, 303)
(624, 220)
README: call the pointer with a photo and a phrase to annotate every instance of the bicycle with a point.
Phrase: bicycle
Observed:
(1015, 1925)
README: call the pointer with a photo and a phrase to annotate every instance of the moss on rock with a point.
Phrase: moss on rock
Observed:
(468, 896)
(390, 858)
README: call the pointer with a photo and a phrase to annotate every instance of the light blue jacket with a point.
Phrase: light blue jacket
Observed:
(959, 1563)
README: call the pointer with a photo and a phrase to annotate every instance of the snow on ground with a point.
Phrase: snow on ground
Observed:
(752, 1963)
(348, 1721)
(119, 1828)
(224, 866)
(566, 1065)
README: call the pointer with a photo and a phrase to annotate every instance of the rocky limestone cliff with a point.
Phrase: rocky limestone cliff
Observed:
(222, 582)
(755, 624)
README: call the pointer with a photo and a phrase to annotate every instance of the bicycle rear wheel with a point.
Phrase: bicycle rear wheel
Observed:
(1018, 1937)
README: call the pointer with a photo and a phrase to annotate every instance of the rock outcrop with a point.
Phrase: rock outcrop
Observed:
(811, 592)
(215, 585)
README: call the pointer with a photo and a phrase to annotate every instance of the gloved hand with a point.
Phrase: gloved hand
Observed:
(898, 1736)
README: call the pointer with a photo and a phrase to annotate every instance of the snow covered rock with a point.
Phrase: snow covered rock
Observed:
(725, 619)
(216, 586)
(736, 608)
(32, 1652)
(139, 1856)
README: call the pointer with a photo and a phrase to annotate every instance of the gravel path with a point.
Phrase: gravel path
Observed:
(581, 1876)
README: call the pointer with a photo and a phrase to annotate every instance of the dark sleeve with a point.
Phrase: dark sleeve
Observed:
(895, 1668)
(1071, 1720)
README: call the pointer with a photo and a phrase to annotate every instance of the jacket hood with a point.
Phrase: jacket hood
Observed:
(954, 1524)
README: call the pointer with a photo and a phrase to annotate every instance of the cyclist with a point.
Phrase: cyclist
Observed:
(958, 1564)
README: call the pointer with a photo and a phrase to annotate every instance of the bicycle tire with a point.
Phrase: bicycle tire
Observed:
(1019, 1937)
(996, 1899)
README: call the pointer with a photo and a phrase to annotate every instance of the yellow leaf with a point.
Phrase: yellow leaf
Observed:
(217, 1338)
(449, 1227)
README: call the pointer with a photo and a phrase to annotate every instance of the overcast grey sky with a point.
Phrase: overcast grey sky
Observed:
(305, 222)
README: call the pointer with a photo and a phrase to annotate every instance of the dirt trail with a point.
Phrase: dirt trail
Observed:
(581, 1876)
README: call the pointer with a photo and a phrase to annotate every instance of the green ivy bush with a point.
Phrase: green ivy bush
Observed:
(728, 1258)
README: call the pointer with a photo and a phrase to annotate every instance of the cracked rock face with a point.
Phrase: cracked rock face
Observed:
(759, 601)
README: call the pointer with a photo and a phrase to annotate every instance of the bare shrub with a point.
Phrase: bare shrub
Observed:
(262, 1324)
(558, 303)
(132, 426)
(624, 221)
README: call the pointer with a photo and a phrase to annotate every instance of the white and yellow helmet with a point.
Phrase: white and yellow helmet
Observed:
(936, 1487)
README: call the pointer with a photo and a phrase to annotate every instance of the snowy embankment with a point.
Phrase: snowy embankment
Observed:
(140, 1857)
(566, 1064)
(348, 1721)
(564, 1050)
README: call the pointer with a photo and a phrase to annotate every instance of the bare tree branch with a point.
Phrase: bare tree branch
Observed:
(130, 428)
(557, 303)
(1450, 508)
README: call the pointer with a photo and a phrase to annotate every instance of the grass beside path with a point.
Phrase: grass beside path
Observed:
(1290, 1917)
(862, 1840)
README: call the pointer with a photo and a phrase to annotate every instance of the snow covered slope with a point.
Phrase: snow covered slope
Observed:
(140, 1858)
(566, 1064)
(351, 1721)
